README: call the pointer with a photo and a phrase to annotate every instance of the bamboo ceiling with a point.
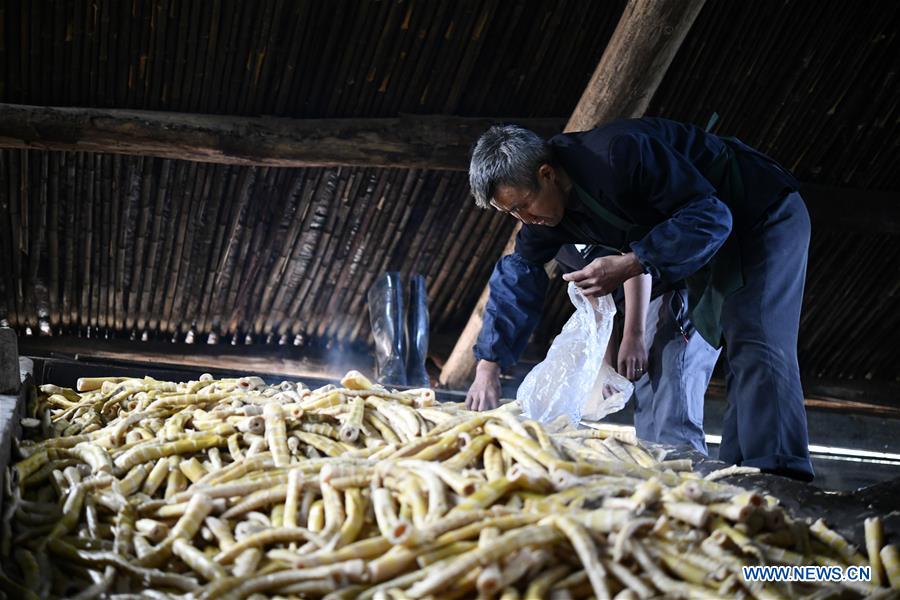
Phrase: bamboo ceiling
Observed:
(132, 246)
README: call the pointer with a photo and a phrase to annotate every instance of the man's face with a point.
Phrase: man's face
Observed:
(543, 206)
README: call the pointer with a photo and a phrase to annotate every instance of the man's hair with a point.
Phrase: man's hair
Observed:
(506, 155)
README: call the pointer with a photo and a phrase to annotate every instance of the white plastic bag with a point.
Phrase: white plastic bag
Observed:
(573, 380)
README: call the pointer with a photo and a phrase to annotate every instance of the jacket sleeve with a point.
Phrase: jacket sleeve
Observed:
(698, 222)
(518, 287)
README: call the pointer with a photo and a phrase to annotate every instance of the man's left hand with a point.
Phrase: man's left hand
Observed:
(605, 274)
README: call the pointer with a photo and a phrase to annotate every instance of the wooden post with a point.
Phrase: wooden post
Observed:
(640, 51)
(9, 361)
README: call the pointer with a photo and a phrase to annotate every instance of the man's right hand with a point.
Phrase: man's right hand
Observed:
(485, 391)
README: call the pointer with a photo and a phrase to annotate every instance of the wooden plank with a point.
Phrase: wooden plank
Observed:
(640, 51)
(837, 396)
(195, 356)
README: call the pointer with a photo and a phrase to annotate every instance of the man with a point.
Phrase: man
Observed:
(681, 205)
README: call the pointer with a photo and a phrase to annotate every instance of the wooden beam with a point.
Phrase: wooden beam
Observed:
(640, 51)
(427, 142)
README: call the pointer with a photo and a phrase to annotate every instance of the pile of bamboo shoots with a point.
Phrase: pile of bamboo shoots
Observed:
(233, 488)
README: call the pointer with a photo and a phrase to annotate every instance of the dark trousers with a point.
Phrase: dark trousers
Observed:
(765, 423)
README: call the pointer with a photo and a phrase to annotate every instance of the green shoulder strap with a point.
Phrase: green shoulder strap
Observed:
(601, 211)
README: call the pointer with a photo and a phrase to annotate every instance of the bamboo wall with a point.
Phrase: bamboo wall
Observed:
(167, 247)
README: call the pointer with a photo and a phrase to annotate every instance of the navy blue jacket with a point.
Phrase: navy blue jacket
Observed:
(649, 172)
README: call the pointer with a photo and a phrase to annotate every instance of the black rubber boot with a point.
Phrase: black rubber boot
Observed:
(386, 314)
(417, 333)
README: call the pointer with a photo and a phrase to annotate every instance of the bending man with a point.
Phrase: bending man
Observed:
(687, 207)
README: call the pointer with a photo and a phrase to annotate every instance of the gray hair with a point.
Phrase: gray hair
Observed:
(506, 155)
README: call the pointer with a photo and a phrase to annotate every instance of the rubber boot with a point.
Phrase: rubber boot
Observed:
(386, 315)
(417, 333)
